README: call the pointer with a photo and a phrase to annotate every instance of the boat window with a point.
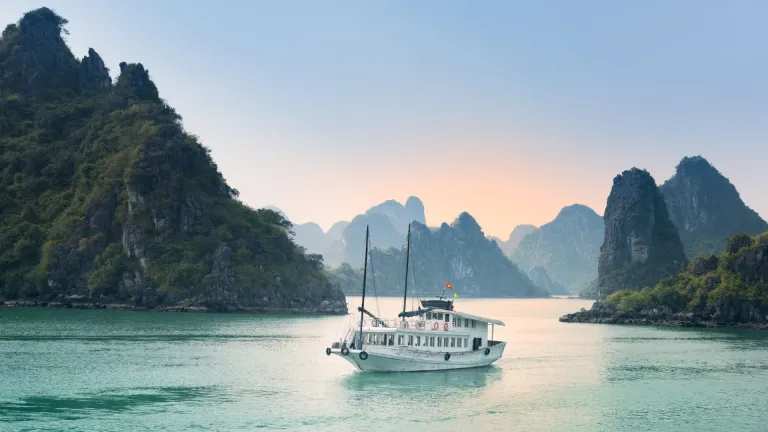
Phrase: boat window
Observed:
(431, 341)
(418, 340)
(466, 322)
(439, 342)
(400, 340)
(410, 340)
(447, 316)
(392, 339)
(445, 342)
(473, 323)
(466, 343)
(439, 315)
(457, 323)
(453, 342)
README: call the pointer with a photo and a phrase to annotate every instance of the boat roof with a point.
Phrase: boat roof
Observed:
(478, 318)
(447, 306)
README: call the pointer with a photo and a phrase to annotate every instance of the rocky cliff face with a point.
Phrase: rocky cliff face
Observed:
(106, 200)
(706, 208)
(458, 253)
(641, 245)
(568, 247)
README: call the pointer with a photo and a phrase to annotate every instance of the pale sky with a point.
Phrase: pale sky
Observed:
(508, 110)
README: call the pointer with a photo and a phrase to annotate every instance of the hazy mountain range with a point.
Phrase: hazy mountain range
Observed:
(563, 255)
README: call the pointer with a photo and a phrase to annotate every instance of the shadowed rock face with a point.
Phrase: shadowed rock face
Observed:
(706, 208)
(641, 245)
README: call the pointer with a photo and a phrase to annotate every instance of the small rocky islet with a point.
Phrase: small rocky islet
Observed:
(644, 274)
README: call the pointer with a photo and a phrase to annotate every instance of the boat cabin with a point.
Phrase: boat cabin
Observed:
(435, 330)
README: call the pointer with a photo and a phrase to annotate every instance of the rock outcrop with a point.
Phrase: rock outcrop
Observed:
(729, 290)
(93, 72)
(34, 59)
(706, 208)
(568, 247)
(105, 200)
(458, 253)
(641, 245)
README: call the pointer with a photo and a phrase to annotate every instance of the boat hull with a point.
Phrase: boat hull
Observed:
(384, 359)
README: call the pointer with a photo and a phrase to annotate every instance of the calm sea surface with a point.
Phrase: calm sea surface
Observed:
(132, 371)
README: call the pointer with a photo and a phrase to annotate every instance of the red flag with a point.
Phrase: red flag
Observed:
(448, 285)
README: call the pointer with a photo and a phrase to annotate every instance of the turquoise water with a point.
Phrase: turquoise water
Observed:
(132, 371)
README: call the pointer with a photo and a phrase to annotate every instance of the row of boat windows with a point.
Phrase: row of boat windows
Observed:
(389, 339)
(457, 322)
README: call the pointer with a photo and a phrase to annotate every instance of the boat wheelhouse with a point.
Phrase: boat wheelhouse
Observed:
(434, 337)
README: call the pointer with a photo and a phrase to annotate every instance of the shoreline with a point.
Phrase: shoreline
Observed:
(604, 315)
(328, 309)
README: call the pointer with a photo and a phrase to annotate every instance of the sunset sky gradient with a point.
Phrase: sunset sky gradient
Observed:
(508, 110)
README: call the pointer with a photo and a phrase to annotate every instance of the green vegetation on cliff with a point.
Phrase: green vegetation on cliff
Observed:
(732, 286)
(104, 196)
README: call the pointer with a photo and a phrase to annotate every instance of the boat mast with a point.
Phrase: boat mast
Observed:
(407, 259)
(365, 276)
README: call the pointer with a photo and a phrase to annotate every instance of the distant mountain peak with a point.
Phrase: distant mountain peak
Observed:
(575, 210)
(706, 208)
(466, 223)
(568, 247)
(135, 81)
(34, 58)
(413, 200)
(695, 162)
(523, 229)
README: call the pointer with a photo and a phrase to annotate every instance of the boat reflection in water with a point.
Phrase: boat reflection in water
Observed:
(397, 383)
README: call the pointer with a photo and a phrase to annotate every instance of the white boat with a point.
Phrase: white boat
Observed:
(433, 337)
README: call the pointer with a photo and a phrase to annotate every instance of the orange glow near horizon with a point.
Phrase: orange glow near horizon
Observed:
(500, 188)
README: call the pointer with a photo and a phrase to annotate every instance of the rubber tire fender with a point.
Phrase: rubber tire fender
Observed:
(363, 355)
(328, 351)
(447, 356)
(345, 351)
(487, 351)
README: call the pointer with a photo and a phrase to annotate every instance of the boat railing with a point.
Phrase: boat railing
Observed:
(388, 323)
